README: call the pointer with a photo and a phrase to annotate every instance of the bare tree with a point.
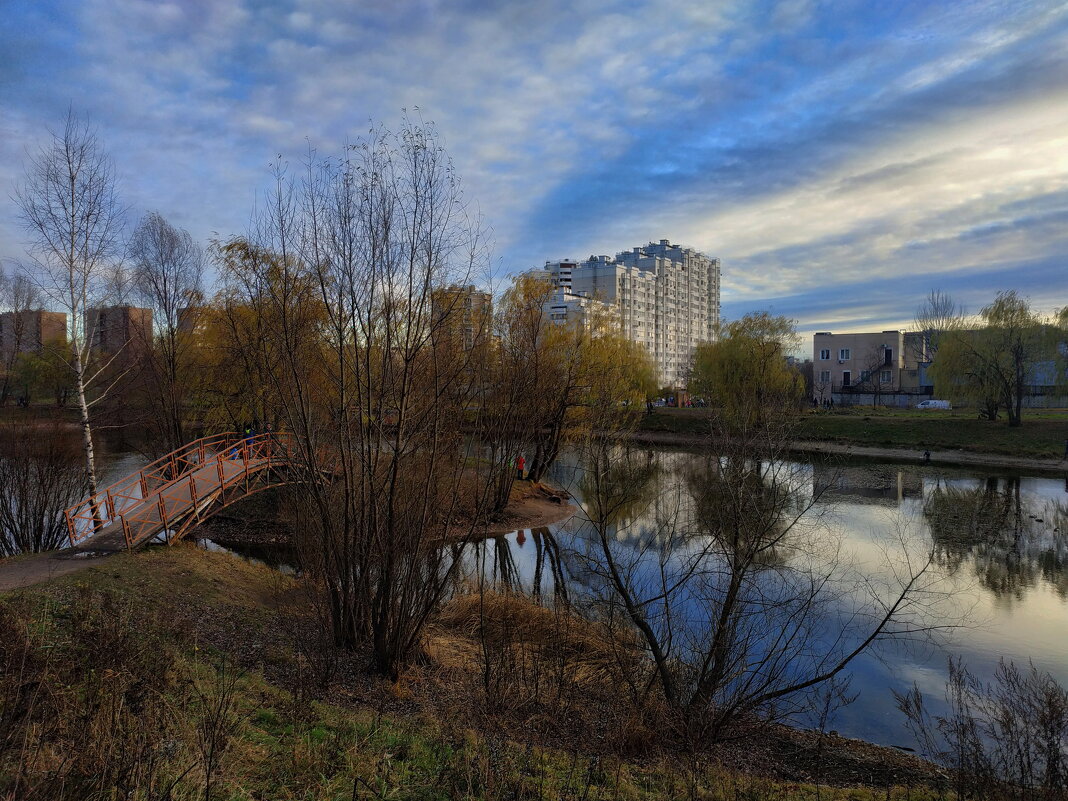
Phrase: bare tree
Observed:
(346, 269)
(70, 210)
(40, 476)
(938, 314)
(168, 272)
(733, 581)
(18, 295)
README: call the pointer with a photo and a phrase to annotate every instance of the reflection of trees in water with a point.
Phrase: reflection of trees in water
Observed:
(875, 484)
(495, 561)
(723, 581)
(628, 491)
(745, 506)
(989, 527)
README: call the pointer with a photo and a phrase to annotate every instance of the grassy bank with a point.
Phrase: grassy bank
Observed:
(126, 676)
(1042, 434)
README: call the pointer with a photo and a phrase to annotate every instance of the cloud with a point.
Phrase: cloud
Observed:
(815, 148)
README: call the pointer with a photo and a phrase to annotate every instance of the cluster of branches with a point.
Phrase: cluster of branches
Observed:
(346, 317)
(1005, 739)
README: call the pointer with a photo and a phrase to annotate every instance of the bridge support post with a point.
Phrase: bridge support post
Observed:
(70, 527)
(193, 497)
(126, 533)
(163, 518)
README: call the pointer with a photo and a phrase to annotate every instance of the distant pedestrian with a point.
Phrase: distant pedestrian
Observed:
(520, 467)
(926, 457)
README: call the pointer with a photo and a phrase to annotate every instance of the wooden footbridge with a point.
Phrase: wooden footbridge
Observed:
(175, 493)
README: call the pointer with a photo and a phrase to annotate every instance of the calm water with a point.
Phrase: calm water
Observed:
(1000, 575)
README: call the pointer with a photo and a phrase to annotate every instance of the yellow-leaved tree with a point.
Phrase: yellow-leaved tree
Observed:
(746, 377)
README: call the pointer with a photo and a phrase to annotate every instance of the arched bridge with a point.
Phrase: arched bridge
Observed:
(177, 492)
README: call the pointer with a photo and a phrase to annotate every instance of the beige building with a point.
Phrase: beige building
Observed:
(119, 328)
(566, 307)
(29, 331)
(851, 362)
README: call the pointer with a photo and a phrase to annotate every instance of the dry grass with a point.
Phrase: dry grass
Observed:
(469, 624)
(516, 700)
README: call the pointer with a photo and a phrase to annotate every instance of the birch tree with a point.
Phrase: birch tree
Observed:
(72, 216)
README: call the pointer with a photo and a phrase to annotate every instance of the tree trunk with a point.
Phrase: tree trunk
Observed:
(87, 435)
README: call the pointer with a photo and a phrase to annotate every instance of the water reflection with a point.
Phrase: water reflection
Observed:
(999, 542)
(1010, 541)
(527, 561)
(998, 539)
(884, 485)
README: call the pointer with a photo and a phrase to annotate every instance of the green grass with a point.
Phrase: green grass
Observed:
(1042, 434)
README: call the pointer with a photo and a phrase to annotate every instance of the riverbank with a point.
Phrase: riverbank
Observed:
(438, 731)
(953, 438)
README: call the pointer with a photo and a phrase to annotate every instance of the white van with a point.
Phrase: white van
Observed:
(933, 404)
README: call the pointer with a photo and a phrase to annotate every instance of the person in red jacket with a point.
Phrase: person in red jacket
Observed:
(520, 467)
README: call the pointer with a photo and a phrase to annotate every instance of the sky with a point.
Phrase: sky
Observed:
(842, 159)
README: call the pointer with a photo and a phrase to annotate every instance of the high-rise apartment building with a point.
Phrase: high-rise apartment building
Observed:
(29, 331)
(667, 297)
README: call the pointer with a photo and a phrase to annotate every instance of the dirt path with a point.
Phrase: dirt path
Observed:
(1024, 464)
(27, 570)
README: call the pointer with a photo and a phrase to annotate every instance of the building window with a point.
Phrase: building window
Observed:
(843, 354)
(884, 377)
(825, 376)
(865, 375)
(825, 354)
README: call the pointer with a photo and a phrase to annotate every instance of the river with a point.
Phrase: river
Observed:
(998, 582)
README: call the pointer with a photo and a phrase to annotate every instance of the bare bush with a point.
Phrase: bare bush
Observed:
(40, 476)
(742, 601)
(1006, 739)
(214, 710)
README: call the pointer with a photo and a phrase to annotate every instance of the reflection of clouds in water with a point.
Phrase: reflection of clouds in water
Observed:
(1016, 584)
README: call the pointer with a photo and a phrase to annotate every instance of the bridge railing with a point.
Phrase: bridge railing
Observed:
(167, 487)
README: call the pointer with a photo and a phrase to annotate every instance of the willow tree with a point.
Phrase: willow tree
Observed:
(593, 382)
(992, 360)
(746, 377)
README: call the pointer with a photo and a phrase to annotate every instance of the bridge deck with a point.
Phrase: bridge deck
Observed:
(170, 494)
